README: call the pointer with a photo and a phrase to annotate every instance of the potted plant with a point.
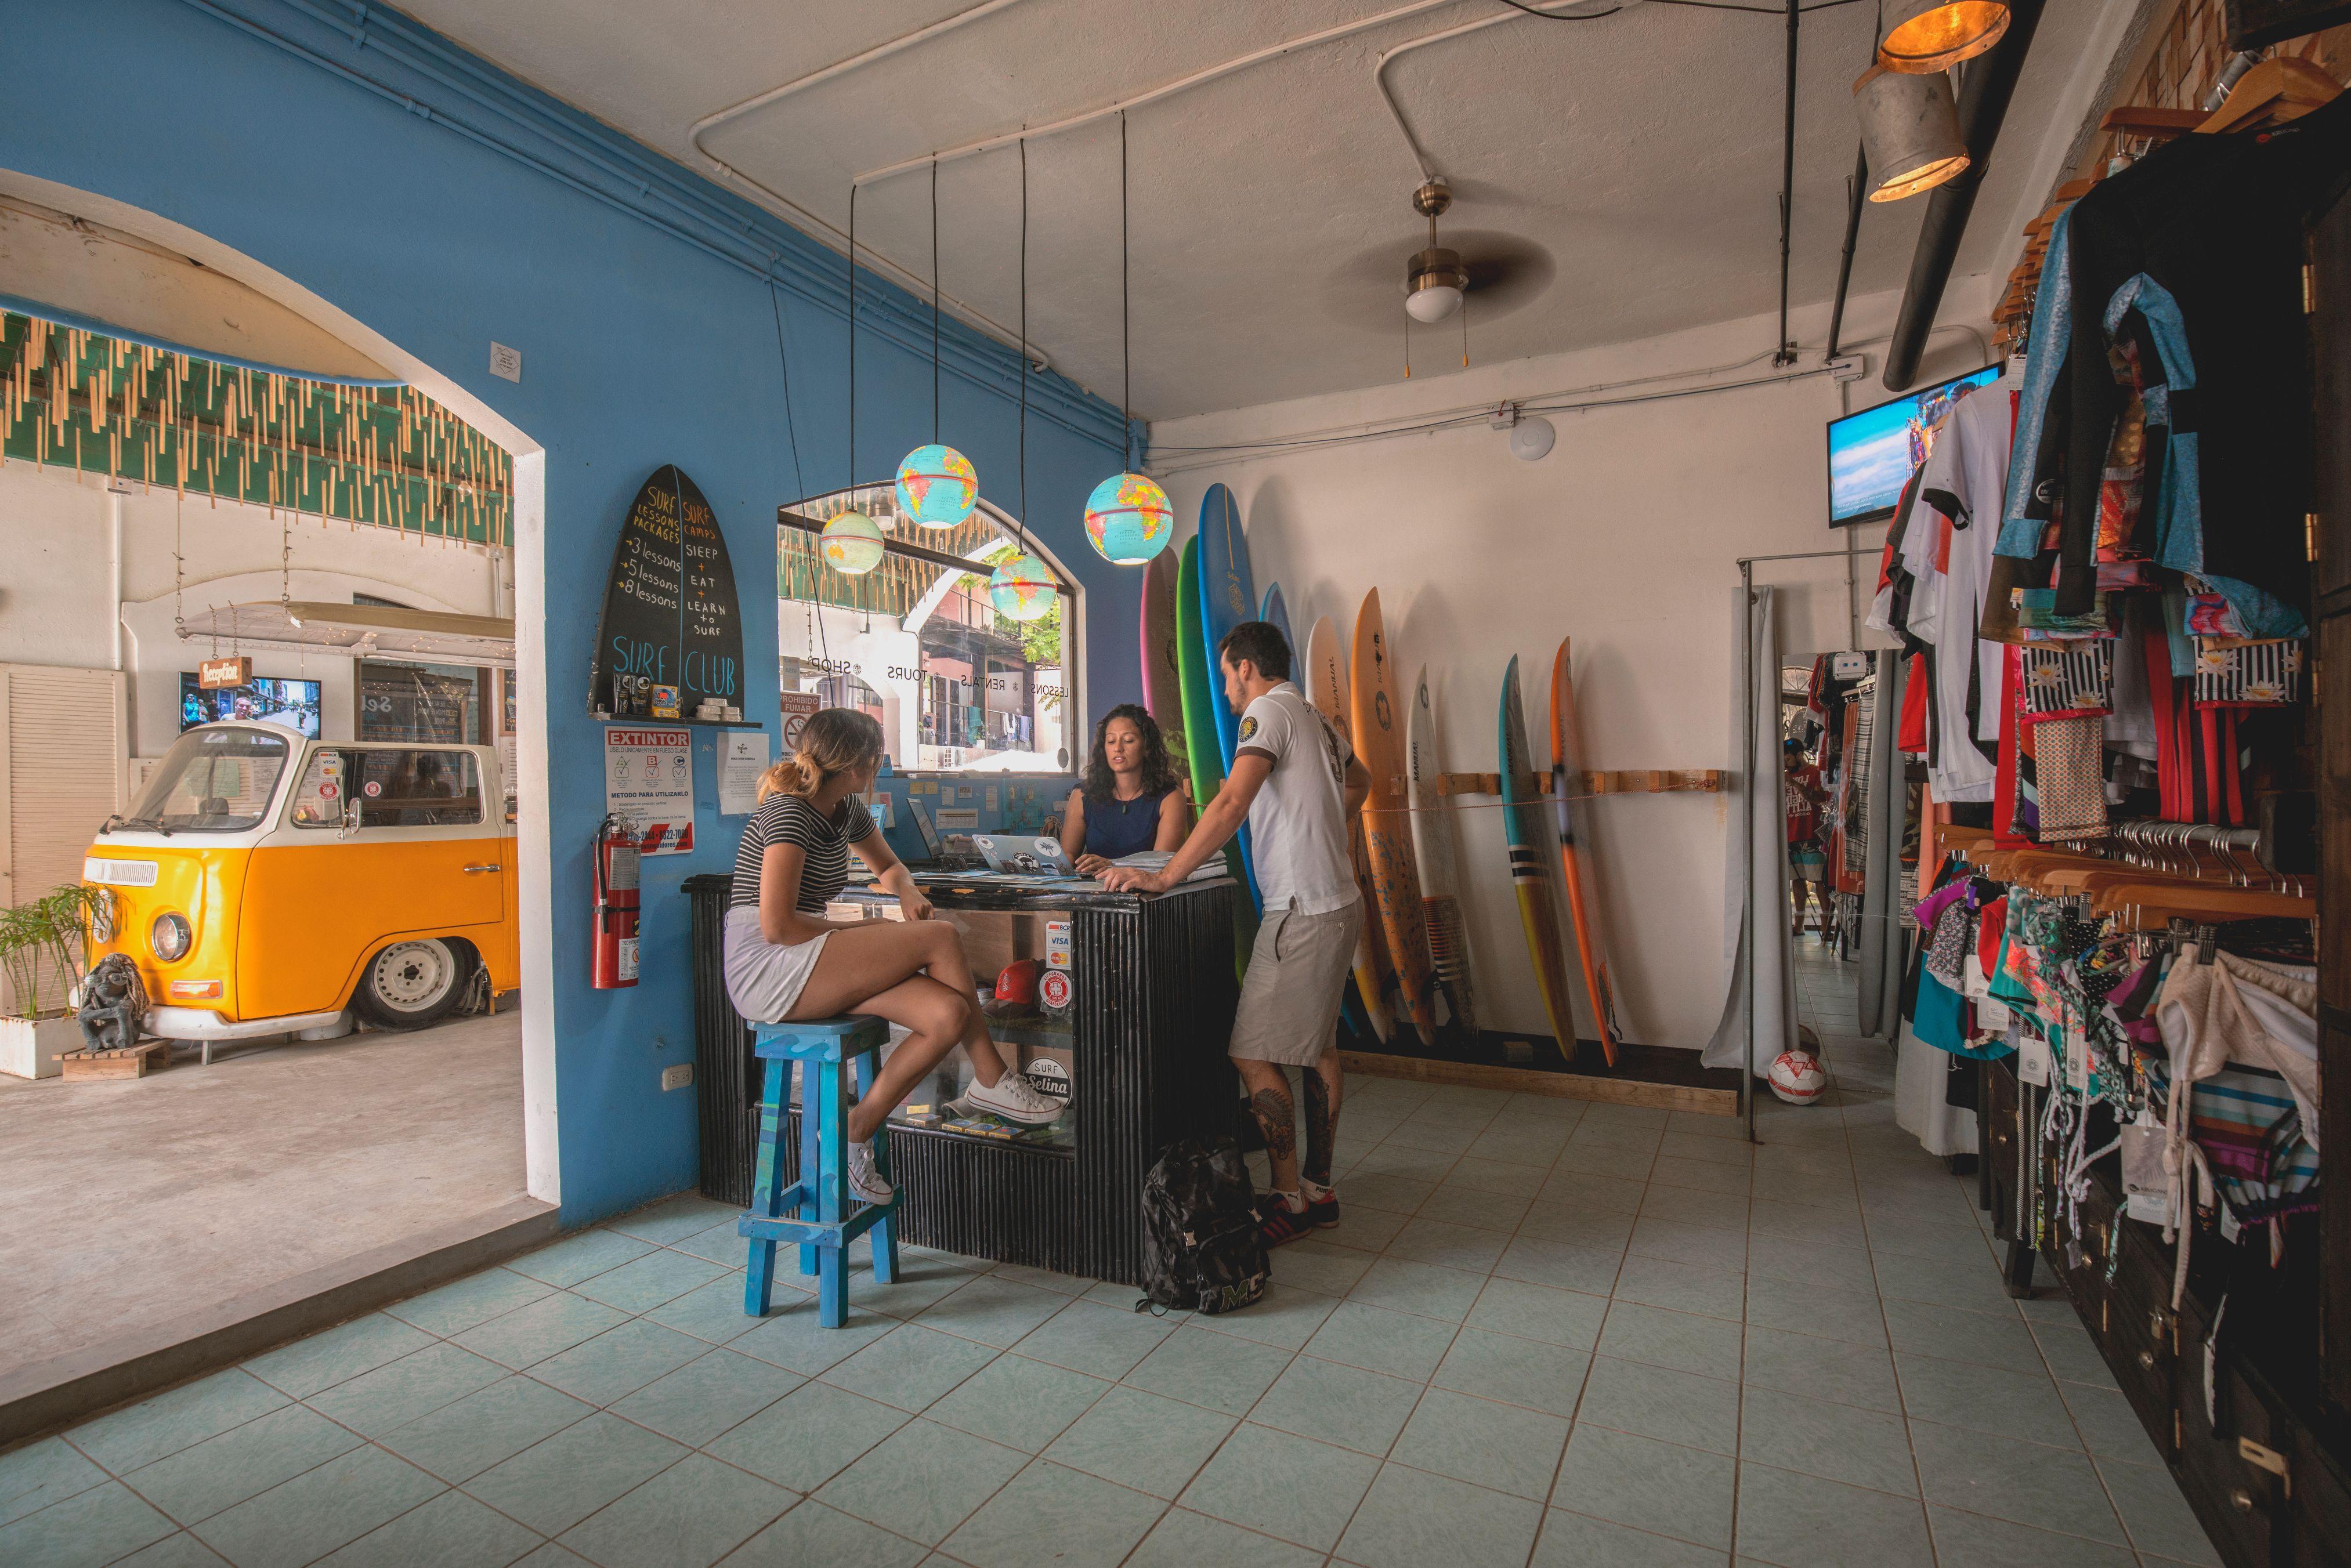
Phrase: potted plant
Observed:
(41, 953)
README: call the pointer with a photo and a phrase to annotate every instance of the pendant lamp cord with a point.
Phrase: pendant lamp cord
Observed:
(1020, 524)
(852, 342)
(1125, 330)
(935, 301)
(783, 363)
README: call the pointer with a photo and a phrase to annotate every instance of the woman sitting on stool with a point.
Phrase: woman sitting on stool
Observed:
(786, 961)
(1130, 801)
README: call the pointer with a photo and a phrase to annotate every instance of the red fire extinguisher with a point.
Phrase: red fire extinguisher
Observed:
(614, 963)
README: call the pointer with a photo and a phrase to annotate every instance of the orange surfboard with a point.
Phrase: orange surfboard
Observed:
(1326, 682)
(1566, 783)
(1379, 740)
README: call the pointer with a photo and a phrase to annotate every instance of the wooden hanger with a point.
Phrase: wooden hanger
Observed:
(2272, 93)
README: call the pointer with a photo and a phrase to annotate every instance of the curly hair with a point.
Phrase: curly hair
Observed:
(1158, 771)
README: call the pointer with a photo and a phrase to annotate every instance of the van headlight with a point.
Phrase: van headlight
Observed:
(171, 937)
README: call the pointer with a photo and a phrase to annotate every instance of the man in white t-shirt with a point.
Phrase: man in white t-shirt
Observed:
(1297, 783)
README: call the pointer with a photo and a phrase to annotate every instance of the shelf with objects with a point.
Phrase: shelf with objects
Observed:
(1120, 1003)
(2103, 573)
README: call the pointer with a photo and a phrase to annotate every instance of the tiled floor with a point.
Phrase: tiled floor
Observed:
(1546, 1334)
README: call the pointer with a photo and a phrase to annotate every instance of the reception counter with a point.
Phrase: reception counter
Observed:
(1136, 1012)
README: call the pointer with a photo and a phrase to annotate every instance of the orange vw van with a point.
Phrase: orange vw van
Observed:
(268, 883)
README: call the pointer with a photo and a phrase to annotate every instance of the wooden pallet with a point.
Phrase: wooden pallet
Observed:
(134, 1062)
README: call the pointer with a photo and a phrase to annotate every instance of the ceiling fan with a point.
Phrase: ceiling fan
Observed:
(1509, 269)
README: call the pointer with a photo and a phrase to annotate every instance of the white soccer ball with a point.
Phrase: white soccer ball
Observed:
(1797, 1078)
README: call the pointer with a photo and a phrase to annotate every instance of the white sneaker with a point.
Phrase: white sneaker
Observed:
(1013, 1098)
(864, 1181)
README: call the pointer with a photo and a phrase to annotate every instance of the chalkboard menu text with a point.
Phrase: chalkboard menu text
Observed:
(671, 617)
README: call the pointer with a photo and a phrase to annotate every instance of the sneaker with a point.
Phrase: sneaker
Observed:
(1013, 1098)
(1277, 1223)
(1322, 1213)
(865, 1183)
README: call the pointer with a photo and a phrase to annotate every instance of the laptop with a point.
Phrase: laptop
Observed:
(1023, 855)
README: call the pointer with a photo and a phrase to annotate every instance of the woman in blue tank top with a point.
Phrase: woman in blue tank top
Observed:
(1130, 801)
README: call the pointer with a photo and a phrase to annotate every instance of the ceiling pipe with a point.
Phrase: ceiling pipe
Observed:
(1983, 104)
(1782, 352)
(1856, 193)
(1151, 95)
(774, 199)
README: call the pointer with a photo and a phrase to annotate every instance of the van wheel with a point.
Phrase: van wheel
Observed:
(412, 984)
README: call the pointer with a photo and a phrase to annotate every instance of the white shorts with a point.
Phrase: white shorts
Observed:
(1288, 1011)
(764, 978)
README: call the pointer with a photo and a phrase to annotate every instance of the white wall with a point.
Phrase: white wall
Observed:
(56, 604)
(1624, 539)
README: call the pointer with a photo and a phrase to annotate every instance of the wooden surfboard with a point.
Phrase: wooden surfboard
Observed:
(1199, 729)
(1378, 738)
(1277, 611)
(1520, 830)
(1227, 597)
(1163, 677)
(1433, 851)
(1324, 678)
(1566, 781)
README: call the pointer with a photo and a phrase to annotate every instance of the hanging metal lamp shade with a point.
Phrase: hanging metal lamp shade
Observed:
(1910, 130)
(1936, 35)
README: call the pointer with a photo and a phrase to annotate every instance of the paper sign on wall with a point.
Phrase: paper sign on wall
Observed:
(744, 758)
(649, 780)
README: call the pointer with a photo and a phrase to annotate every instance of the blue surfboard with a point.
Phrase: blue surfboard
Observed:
(1227, 598)
(1275, 611)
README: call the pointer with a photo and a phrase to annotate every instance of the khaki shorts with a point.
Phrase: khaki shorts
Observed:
(1289, 1010)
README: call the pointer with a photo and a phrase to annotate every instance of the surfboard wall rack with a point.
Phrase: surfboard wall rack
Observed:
(1620, 781)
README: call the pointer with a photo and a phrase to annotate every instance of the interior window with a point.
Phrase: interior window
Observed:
(917, 644)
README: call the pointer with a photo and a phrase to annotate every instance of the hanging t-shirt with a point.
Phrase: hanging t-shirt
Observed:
(1964, 481)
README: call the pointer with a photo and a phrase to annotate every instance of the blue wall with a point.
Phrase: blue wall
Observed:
(379, 167)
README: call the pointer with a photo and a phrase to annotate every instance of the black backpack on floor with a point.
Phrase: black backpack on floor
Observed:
(1201, 1251)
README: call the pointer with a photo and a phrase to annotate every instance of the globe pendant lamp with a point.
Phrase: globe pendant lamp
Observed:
(1930, 36)
(851, 543)
(1022, 589)
(1911, 131)
(937, 486)
(1128, 517)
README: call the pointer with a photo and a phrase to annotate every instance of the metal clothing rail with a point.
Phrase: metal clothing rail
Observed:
(1746, 565)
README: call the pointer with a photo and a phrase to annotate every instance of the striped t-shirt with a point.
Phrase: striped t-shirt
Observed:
(789, 819)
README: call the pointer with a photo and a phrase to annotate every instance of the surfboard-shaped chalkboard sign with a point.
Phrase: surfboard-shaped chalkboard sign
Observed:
(671, 617)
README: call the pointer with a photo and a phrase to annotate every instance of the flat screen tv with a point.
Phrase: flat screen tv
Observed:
(1872, 453)
(294, 704)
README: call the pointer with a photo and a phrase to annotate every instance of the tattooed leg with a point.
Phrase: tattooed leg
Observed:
(1270, 1100)
(1322, 1091)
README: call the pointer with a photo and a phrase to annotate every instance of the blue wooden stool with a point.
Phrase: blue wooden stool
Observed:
(824, 1227)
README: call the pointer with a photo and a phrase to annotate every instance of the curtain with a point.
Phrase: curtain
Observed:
(1881, 913)
(1756, 889)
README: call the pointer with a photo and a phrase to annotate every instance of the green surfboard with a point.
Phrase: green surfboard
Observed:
(1200, 731)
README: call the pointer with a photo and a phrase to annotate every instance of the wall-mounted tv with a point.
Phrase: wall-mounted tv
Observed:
(1872, 453)
(294, 704)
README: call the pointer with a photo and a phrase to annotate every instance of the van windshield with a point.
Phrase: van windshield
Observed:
(213, 781)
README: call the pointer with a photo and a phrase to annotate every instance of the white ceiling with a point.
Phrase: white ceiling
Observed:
(1270, 217)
